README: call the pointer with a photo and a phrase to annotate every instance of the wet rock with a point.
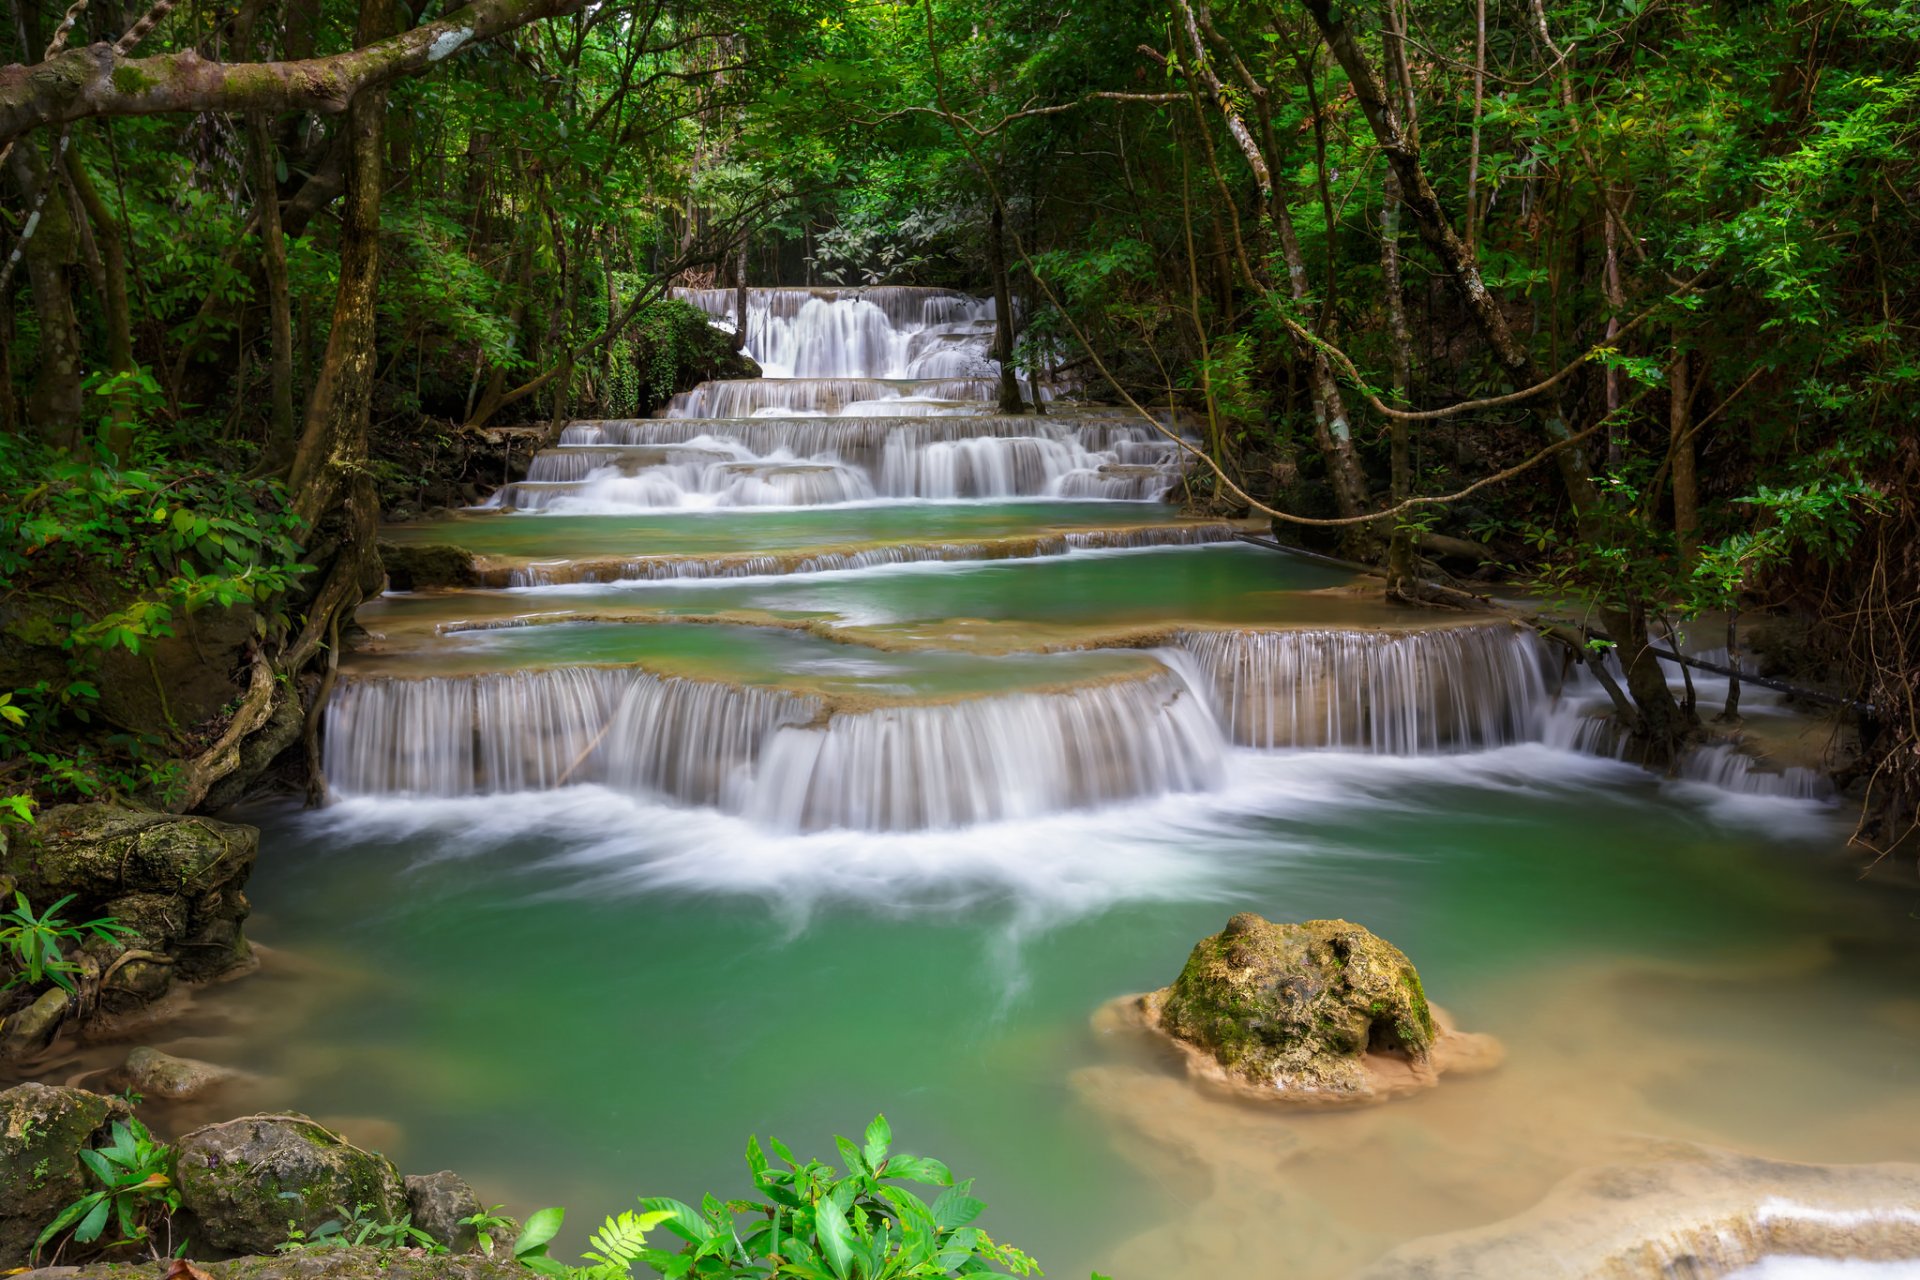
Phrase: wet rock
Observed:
(438, 1202)
(153, 1074)
(414, 566)
(246, 1180)
(42, 1132)
(29, 1031)
(1689, 1211)
(1321, 1011)
(175, 881)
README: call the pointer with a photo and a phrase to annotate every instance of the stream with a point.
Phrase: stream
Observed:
(833, 745)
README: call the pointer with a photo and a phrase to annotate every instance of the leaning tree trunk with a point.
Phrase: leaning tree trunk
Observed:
(54, 406)
(1010, 401)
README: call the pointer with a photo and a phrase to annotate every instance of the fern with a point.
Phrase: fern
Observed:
(619, 1243)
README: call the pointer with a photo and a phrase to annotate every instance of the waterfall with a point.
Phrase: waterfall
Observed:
(887, 331)
(649, 464)
(534, 730)
(1396, 693)
(986, 759)
(1725, 766)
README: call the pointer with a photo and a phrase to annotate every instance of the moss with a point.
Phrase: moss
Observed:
(1298, 1004)
(130, 79)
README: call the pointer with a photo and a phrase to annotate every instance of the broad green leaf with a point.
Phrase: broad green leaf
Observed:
(836, 1237)
(879, 1138)
(542, 1226)
(682, 1219)
(919, 1169)
(94, 1223)
(955, 1208)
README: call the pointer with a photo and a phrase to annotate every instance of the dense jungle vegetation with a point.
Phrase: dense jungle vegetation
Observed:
(1614, 298)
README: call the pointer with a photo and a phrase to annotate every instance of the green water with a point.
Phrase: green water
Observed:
(753, 656)
(1116, 590)
(720, 532)
(580, 997)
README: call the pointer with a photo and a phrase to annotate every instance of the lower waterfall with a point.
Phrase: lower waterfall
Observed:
(1389, 692)
(988, 759)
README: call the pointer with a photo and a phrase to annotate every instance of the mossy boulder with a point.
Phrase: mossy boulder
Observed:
(42, 1132)
(1297, 1008)
(246, 1180)
(176, 881)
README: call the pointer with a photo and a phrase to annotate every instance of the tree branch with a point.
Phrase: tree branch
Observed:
(98, 81)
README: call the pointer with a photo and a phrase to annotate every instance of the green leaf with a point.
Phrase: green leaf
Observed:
(94, 1223)
(955, 1208)
(919, 1169)
(836, 1237)
(879, 1138)
(682, 1219)
(542, 1226)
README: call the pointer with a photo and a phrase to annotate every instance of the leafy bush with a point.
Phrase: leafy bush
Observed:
(32, 942)
(137, 1191)
(814, 1223)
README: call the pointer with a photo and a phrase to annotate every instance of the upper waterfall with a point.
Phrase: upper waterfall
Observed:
(887, 331)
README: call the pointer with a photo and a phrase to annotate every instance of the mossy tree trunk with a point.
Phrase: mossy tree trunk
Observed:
(1010, 401)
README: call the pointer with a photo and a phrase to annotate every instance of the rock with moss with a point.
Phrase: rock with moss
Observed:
(153, 1074)
(43, 1129)
(440, 1204)
(250, 1182)
(1319, 1011)
(176, 881)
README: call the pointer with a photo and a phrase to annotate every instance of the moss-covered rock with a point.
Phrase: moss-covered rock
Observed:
(42, 1132)
(1297, 1007)
(246, 1180)
(179, 879)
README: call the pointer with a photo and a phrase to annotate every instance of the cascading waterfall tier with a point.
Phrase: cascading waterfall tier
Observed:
(886, 331)
(534, 730)
(665, 463)
(775, 756)
(1400, 693)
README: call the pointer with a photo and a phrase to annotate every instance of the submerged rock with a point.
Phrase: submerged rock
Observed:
(42, 1132)
(161, 1075)
(1323, 1011)
(1692, 1211)
(250, 1181)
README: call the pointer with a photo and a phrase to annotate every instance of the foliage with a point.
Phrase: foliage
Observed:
(813, 1223)
(32, 942)
(137, 1191)
(355, 1226)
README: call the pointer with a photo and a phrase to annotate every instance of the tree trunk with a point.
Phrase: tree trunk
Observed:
(333, 441)
(1400, 568)
(273, 261)
(53, 399)
(1010, 401)
(108, 236)
(1686, 495)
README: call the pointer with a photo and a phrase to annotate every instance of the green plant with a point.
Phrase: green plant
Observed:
(136, 1186)
(815, 1223)
(358, 1226)
(34, 941)
(485, 1223)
